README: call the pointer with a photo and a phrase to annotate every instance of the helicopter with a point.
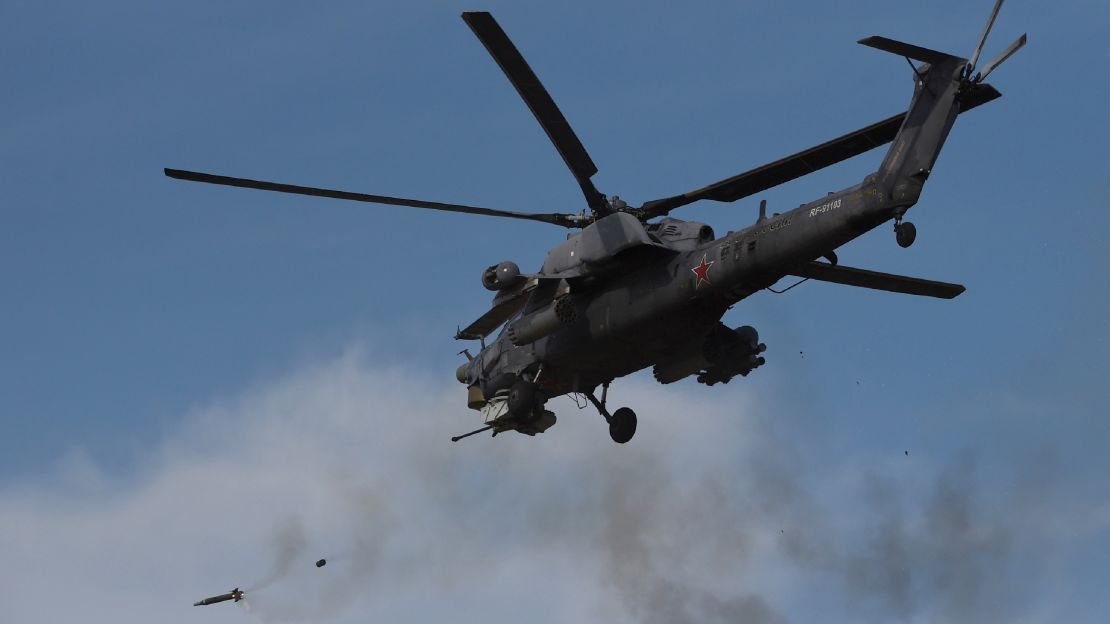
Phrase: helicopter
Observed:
(633, 287)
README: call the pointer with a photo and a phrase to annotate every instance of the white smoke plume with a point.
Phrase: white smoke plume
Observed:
(707, 516)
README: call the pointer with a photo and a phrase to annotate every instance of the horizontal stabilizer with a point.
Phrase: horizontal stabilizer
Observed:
(906, 49)
(848, 276)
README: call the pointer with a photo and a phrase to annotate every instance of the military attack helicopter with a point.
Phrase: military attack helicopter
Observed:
(635, 287)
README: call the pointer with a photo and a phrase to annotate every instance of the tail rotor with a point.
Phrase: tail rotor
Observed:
(983, 39)
(970, 74)
(1007, 53)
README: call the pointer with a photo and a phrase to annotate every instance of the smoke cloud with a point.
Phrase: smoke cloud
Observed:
(707, 516)
(288, 545)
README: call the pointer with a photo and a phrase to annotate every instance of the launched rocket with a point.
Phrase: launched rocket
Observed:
(235, 594)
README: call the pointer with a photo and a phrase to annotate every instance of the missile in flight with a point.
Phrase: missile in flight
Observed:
(235, 594)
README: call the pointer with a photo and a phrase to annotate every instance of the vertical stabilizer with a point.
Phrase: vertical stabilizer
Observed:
(944, 84)
(915, 149)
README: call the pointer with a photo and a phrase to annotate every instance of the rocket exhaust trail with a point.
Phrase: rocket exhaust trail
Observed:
(289, 542)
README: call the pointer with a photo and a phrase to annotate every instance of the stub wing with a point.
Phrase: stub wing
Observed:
(889, 282)
(503, 308)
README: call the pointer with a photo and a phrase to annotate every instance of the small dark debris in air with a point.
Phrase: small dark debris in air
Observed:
(907, 453)
(321, 563)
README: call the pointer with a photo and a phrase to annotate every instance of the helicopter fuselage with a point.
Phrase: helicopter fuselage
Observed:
(664, 308)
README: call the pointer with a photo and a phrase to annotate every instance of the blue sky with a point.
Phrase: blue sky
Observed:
(137, 307)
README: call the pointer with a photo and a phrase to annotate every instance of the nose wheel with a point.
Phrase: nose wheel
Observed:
(905, 233)
(622, 423)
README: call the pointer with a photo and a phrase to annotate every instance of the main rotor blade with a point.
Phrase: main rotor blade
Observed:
(532, 91)
(784, 169)
(986, 31)
(1007, 53)
(804, 162)
(565, 220)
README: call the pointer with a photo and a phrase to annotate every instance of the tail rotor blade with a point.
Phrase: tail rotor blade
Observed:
(983, 39)
(1007, 53)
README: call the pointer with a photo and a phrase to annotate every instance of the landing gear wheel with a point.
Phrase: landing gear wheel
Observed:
(622, 425)
(905, 233)
(522, 398)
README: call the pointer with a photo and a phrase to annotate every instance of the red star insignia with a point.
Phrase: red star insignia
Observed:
(702, 270)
